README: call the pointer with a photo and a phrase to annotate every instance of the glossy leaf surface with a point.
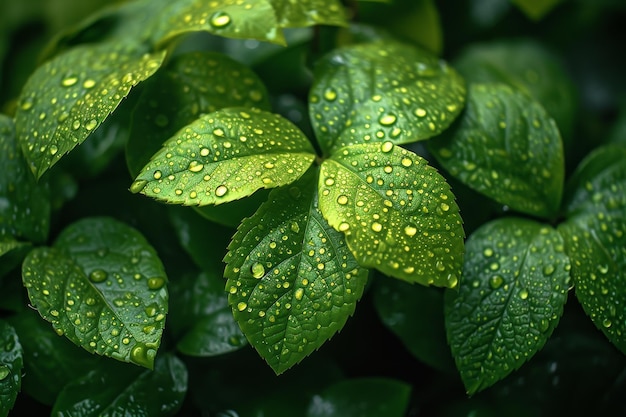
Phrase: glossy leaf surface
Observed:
(103, 287)
(309, 12)
(11, 362)
(397, 213)
(224, 156)
(506, 147)
(515, 281)
(382, 91)
(292, 281)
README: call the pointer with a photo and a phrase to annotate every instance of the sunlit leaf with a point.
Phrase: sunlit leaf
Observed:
(292, 281)
(224, 156)
(506, 147)
(514, 287)
(11, 362)
(69, 96)
(189, 85)
(381, 91)
(103, 287)
(397, 213)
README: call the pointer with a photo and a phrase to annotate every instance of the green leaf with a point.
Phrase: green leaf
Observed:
(71, 95)
(232, 213)
(189, 85)
(529, 67)
(12, 253)
(515, 281)
(382, 91)
(308, 13)
(414, 313)
(212, 329)
(397, 213)
(506, 147)
(365, 397)
(10, 367)
(292, 281)
(24, 204)
(50, 361)
(536, 9)
(103, 287)
(123, 390)
(224, 156)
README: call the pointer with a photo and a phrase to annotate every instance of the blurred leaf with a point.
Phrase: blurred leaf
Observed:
(103, 287)
(396, 212)
(506, 147)
(11, 363)
(515, 281)
(536, 9)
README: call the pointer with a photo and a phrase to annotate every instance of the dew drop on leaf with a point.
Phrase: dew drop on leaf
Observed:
(98, 275)
(523, 294)
(387, 120)
(221, 191)
(220, 20)
(257, 270)
(138, 185)
(156, 283)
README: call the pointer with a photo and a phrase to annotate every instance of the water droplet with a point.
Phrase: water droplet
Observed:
(137, 186)
(342, 199)
(157, 174)
(69, 81)
(89, 83)
(98, 275)
(151, 310)
(548, 270)
(195, 166)
(143, 356)
(444, 207)
(496, 282)
(406, 162)
(606, 323)
(27, 105)
(343, 227)
(544, 325)
(156, 283)
(387, 120)
(242, 306)
(377, 227)
(4, 372)
(488, 252)
(299, 294)
(523, 294)
(330, 94)
(257, 270)
(295, 227)
(76, 124)
(220, 20)
(221, 191)
(91, 125)
(410, 231)
(452, 281)
(53, 149)
(419, 112)
(387, 147)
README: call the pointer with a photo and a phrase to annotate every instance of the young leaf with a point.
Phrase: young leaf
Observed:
(103, 287)
(292, 281)
(366, 397)
(381, 91)
(397, 213)
(10, 367)
(189, 85)
(224, 156)
(69, 96)
(109, 389)
(506, 147)
(308, 13)
(515, 281)
(24, 203)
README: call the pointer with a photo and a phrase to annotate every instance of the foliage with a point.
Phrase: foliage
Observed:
(186, 180)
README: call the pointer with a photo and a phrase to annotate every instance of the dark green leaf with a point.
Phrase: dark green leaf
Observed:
(527, 66)
(301, 13)
(536, 9)
(24, 204)
(128, 391)
(103, 287)
(189, 85)
(211, 328)
(292, 282)
(366, 397)
(515, 281)
(397, 213)
(232, 213)
(10, 367)
(382, 91)
(414, 313)
(71, 95)
(12, 253)
(506, 147)
(50, 361)
(224, 156)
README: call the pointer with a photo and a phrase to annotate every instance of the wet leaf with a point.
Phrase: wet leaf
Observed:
(292, 281)
(514, 287)
(124, 390)
(11, 363)
(232, 213)
(527, 66)
(68, 97)
(308, 13)
(224, 156)
(506, 147)
(397, 213)
(189, 85)
(365, 397)
(103, 287)
(382, 91)
(24, 203)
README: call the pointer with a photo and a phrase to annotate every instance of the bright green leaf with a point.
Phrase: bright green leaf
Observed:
(397, 213)
(365, 397)
(103, 287)
(414, 313)
(506, 147)
(529, 67)
(24, 204)
(292, 281)
(536, 9)
(123, 390)
(301, 13)
(380, 91)
(189, 85)
(514, 287)
(224, 156)
(10, 367)
(69, 96)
